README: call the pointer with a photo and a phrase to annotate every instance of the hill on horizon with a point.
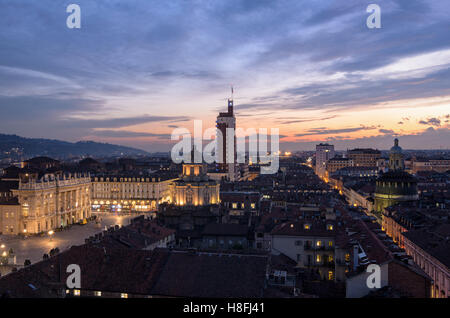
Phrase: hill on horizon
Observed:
(30, 147)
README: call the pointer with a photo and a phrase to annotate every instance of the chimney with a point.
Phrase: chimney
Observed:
(355, 257)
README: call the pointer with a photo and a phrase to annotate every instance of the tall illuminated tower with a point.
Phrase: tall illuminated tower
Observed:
(224, 146)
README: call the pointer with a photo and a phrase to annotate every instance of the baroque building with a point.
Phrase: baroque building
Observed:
(49, 202)
(194, 187)
(396, 185)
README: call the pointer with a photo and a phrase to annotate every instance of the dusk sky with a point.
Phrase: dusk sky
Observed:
(137, 69)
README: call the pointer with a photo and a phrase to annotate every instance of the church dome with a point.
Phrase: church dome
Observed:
(396, 148)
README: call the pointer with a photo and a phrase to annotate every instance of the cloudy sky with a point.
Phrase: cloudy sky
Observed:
(137, 69)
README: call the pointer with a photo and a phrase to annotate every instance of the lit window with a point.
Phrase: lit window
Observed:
(253, 205)
(234, 205)
(76, 292)
(330, 258)
(98, 293)
(123, 295)
(347, 257)
(307, 226)
(330, 243)
(319, 243)
(330, 227)
(318, 258)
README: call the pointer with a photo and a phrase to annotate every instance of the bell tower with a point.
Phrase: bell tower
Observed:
(396, 157)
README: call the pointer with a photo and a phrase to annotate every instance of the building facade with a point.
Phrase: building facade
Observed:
(335, 164)
(309, 243)
(364, 157)
(429, 251)
(324, 152)
(50, 202)
(430, 164)
(130, 193)
(194, 187)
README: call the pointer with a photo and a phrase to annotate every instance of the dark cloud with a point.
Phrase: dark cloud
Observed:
(45, 108)
(325, 131)
(118, 122)
(287, 121)
(431, 121)
(430, 138)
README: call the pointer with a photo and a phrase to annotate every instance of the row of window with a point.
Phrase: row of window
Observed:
(319, 258)
(222, 242)
(242, 205)
(127, 180)
(77, 292)
(319, 243)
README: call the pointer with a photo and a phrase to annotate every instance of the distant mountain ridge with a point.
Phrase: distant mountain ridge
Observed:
(30, 147)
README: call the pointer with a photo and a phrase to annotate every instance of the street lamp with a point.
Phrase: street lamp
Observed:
(51, 234)
(2, 246)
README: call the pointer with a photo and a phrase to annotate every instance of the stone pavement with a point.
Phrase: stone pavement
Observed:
(33, 248)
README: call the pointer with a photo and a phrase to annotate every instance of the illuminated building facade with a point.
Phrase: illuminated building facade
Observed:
(194, 187)
(130, 193)
(50, 202)
(227, 121)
